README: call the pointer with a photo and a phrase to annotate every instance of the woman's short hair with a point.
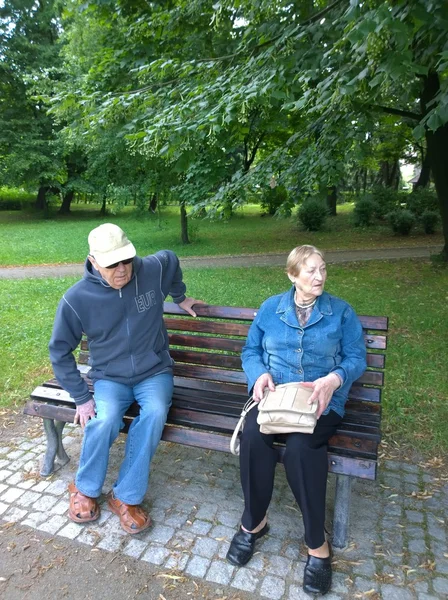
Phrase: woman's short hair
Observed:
(298, 257)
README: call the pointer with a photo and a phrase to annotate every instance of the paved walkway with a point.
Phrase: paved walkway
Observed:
(254, 260)
(398, 537)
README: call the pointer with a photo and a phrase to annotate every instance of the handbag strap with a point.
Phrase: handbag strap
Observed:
(235, 442)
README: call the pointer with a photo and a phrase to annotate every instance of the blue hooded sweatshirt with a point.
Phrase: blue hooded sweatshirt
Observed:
(127, 338)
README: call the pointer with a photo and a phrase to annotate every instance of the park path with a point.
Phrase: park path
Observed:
(242, 260)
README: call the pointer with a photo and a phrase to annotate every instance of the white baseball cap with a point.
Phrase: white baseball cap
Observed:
(109, 244)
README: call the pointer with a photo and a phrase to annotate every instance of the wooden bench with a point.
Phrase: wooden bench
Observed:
(210, 390)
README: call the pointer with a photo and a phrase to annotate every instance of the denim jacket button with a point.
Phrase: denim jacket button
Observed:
(300, 371)
(299, 349)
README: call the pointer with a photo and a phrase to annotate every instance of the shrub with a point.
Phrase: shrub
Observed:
(364, 212)
(401, 221)
(273, 199)
(312, 214)
(420, 200)
(386, 201)
(429, 220)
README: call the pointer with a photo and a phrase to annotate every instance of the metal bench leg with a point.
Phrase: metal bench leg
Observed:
(341, 510)
(53, 431)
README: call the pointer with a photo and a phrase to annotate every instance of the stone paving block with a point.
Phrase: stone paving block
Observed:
(411, 478)
(441, 586)
(4, 474)
(27, 445)
(158, 533)
(197, 566)
(409, 467)
(4, 463)
(229, 518)
(223, 549)
(14, 514)
(155, 554)
(135, 548)
(15, 454)
(418, 546)
(272, 587)
(182, 540)
(199, 527)
(3, 507)
(205, 547)
(110, 542)
(207, 512)
(270, 544)
(278, 565)
(53, 524)
(393, 592)
(11, 494)
(221, 532)
(26, 484)
(177, 561)
(415, 531)
(423, 596)
(15, 478)
(292, 551)
(41, 486)
(174, 520)
(366, 568)
(57, 488)
(3, 487)
(71, 531)
(339, 583)
(34, 519)
(220, 572)
(365, 585)
(60, 508)
(45, 503)
(88, 536)
(297, 593)
(420, 586)
(28, 498)
(246, 580)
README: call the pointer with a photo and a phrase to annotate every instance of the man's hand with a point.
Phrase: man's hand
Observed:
(188, 303)
(323, 389)
(84, 412)
(264, 381)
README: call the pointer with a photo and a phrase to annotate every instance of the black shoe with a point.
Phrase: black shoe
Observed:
(317, 575)
(243, 545)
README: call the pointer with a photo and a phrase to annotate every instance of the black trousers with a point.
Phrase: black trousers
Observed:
(306, 465)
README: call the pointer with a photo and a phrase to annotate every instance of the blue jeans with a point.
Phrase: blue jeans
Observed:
(112, 400)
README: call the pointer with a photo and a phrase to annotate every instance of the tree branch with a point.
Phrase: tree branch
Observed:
(398, 111)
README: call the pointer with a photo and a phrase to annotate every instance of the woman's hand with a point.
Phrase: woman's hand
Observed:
(85, 412)
(264, 381)
(323, 389)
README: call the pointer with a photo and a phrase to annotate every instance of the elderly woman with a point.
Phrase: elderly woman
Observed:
(304, 335)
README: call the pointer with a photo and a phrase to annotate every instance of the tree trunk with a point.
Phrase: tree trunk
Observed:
(67, 198)
(153, 203)
(437, 143)
(184, 224)
(425, 173)
(41, 200)
(332, 198)
(103, 207)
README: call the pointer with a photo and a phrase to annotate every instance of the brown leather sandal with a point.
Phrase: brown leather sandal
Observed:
(133, 518)
(82, 508)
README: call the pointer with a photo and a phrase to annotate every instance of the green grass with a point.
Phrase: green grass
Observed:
(413, 294)
(25, 239)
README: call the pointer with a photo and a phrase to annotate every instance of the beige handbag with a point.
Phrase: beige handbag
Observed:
(284, 411)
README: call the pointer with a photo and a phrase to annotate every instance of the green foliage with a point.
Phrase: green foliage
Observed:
(312, 214)
(386, 200)
(429, 220)
(401, 220)
(273, 199)
(420, 200)
(364, 212)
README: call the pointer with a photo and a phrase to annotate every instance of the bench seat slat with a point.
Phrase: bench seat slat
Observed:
(214, 327)
(202, 341)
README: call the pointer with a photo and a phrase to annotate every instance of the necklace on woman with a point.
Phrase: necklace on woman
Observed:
(304, 305)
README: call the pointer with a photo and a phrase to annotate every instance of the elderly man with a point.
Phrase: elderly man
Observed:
(118, 304)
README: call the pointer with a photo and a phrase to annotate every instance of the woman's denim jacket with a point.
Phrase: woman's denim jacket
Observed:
(331, 342)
